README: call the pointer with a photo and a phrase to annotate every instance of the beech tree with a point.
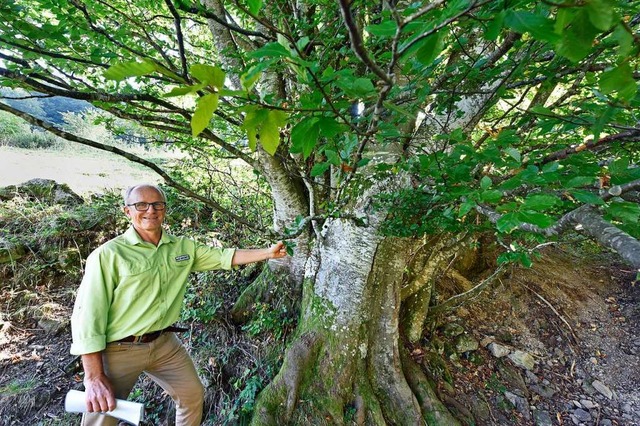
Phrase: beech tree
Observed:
(395, 137)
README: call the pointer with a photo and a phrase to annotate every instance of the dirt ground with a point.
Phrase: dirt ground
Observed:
(577, 319)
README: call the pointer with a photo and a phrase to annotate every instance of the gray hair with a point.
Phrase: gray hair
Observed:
(127, 193)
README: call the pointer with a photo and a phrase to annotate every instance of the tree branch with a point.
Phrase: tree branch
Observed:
(205, 13)
(180, 37)
(632, 135)
(357, 43)
(131, 157)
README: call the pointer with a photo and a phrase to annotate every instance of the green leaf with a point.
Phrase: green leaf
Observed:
(586, 197)
(253, 118)
(302, 43)
(252, 138)
(540, 202)
(362, 87)
(270, 130)
(508, 222)
(254, 6)
(621, 172)
(271, 50)
(430, 49)
(304, 136)
(620, 79)
(540, 27)
(485, 182)
(289, 246)
(319, 169)
(185, 90)
(466, 207)
(577, 40)
(332, 157)
(514, 153)
(495, 26)
(624, 211)
(208, 74)
(534, 218)
(384, 29)
(123, 70)
(601, 13)
(579, 181)
(491, 196)
(624, 39)
(355, 87)
(551, 167)
(269, 137)
(203, 113)
(329, 127)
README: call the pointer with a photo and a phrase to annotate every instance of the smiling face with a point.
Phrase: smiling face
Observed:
(149, 221)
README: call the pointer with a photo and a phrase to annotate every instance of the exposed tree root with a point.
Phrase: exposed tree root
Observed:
(434, 411)
(278, 400)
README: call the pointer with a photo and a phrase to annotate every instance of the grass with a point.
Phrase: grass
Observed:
(17, 387)
(84, 170)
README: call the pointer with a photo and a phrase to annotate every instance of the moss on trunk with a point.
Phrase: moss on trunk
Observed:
(354, 371)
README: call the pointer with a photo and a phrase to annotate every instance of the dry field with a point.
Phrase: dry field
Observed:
(85, 171)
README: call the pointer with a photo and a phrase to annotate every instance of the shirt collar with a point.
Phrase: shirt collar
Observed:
(132, 237)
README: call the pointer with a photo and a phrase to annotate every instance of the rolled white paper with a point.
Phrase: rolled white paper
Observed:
(131, 412)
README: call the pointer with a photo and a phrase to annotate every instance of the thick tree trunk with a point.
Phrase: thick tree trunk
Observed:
(347, 363)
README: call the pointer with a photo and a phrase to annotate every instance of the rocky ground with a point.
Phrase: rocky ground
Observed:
(557, 344)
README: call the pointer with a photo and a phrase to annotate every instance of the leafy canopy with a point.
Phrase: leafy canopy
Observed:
(526, 110)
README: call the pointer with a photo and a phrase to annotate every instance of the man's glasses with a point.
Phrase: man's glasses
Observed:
(143, 207)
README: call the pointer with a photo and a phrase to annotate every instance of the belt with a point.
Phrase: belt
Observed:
(150, 337)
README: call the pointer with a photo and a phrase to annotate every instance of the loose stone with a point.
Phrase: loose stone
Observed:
(522, 359)
(602, 388)
(498, 350)
(582, 415)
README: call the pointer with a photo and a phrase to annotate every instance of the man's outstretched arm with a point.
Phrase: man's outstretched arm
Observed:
(243, 256)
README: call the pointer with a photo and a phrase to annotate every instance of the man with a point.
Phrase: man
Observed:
(131, 294)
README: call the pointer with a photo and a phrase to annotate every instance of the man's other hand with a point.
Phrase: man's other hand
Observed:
(99, 394)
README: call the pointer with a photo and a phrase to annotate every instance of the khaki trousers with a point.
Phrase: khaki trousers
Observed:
(167, 363)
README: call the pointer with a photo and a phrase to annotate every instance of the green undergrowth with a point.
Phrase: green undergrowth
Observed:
(235, 361)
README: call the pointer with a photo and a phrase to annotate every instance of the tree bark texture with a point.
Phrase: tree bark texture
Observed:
(348, 363)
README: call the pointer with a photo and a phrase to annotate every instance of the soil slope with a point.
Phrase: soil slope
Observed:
(557, 344)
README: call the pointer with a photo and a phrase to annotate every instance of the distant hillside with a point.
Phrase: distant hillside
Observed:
(45, 108)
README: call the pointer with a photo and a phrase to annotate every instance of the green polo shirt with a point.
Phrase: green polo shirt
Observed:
(131, 287)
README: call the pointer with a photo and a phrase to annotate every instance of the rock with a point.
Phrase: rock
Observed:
(531, 378)
(606, 422)
(542, 418)
(627, 408)
(481, 410)
(602, 388)
(69, 258)
(521, 404)
(10, 251)
(52, 326)
(543, 391)
(453, 329)
(466, 343)
(582, 415)
(588, 404)
(522, 359)
(512, 378)
(498, 350)
(44, 190)
(486, 341)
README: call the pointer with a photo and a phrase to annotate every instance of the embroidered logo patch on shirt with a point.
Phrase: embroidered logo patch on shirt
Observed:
(182, 258)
